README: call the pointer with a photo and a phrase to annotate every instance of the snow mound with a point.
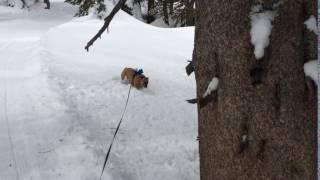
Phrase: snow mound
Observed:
(157, 139)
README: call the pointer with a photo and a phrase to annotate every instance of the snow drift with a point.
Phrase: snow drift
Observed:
(64, 103)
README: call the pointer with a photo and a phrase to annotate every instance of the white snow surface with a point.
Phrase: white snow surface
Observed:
(261, 26)
(311, 24)
(213, 85)
(311, 70)
(59, 104)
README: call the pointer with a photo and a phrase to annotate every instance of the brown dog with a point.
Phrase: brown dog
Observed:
(137, 80)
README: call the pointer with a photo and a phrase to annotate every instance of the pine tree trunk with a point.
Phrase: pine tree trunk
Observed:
(24, 4)
(165, 11)
(150, 15)
(170, 6)
(278, 115)
(189, 11)
(150, 6)
(47, 2)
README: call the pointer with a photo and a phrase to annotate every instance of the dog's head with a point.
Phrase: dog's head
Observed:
(143, 81)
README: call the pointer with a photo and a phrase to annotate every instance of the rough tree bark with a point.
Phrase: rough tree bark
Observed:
(277, 117)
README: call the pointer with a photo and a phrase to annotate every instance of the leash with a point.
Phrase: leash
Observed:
(115, 133)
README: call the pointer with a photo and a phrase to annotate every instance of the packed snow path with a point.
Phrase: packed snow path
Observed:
(26, 107)
(59, 105)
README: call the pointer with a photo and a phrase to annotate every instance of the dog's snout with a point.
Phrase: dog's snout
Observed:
(145, 84)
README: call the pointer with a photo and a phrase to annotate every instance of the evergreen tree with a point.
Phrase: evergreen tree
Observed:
(150, 16)
(85, 5)
(133, 7)
(23, 3)
(173, 12)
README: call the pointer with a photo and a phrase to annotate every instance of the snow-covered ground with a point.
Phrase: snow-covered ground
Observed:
(59, 104)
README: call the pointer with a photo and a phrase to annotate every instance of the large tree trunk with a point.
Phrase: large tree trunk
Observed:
(277, 112)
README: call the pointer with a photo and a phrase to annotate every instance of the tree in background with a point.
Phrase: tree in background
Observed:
(47, 2)
(174, 13)
(150, 15)
(85, 5)
(183, 12)
(134, 8)
(23, 3)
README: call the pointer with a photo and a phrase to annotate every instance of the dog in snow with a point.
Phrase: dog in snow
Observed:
(135, 77)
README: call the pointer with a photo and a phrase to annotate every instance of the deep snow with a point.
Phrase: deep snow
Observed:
(60, 104)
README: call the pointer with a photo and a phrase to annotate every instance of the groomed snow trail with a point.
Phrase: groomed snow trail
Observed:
(28, 108)
(60, 105)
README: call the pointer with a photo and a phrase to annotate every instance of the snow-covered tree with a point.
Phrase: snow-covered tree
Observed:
(175, 13)
(23, 3)
(85, 5)
(183, 12)
(134, 8)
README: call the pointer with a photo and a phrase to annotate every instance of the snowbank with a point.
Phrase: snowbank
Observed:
(63, 103)
(157, 139)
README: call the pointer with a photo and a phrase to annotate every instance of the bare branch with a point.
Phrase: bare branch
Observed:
(107, 21)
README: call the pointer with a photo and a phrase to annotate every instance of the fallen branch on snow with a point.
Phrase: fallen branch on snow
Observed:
(106, 24)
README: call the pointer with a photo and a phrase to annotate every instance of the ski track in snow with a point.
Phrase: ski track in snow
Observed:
(61, 104)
